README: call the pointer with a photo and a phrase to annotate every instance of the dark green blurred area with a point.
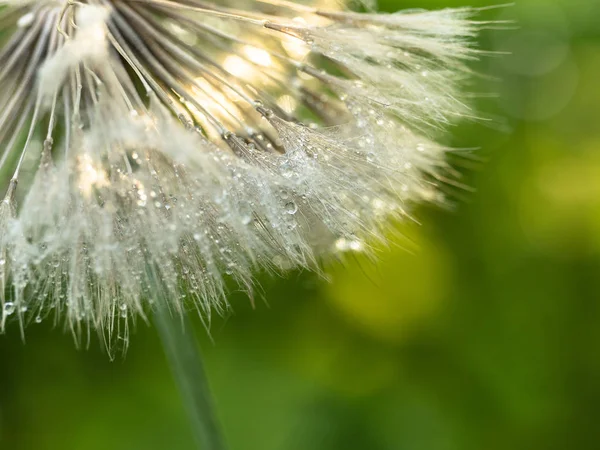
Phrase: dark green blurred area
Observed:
(481, 330)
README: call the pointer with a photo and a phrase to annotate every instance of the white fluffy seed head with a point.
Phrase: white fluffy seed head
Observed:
(183, 146)
(88, 47)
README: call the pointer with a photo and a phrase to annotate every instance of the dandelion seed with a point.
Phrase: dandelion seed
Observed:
(184, 143)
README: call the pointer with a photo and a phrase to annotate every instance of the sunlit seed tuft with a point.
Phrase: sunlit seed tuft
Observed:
(152, 149)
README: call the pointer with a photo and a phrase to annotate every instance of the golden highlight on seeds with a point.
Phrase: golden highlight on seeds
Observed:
(151, 150)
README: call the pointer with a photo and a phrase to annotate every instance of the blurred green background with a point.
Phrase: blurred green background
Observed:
(481, 330)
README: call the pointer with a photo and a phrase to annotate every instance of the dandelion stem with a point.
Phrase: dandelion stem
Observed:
(185, 359)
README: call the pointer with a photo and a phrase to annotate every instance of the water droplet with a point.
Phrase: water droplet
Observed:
(291, 208)
(26, 20)
(38, 319)
(9, 308)
(2, 261)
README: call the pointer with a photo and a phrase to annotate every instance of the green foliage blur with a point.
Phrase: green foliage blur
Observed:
(478, 330)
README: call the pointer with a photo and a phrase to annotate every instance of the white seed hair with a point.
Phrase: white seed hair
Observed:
(147, 158)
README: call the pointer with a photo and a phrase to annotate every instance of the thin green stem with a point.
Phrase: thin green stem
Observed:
(183, 354)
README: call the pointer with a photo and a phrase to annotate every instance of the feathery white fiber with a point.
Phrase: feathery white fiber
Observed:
(152, 149)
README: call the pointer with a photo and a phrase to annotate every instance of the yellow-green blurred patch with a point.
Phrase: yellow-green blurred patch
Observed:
(396, 296)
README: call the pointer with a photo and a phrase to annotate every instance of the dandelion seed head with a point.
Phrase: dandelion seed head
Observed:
(178, 145)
